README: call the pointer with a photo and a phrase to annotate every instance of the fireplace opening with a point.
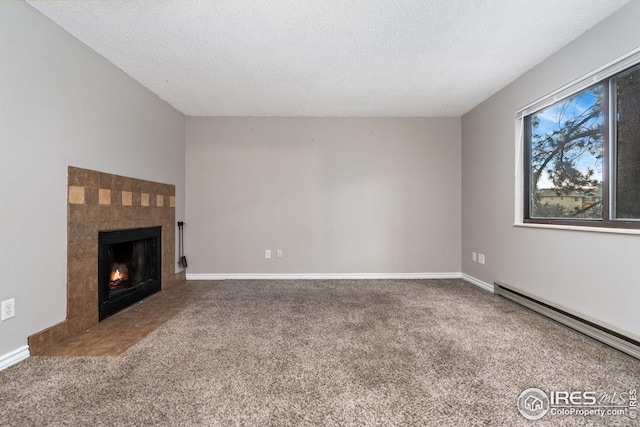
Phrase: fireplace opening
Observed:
(128, 267)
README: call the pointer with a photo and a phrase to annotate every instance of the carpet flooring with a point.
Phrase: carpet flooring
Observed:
(326, 353)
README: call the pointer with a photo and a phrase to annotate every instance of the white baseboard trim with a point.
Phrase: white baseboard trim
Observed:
(13, 357)
(324, 276)
(484, 285)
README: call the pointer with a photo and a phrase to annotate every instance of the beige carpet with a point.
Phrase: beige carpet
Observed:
(325, 353)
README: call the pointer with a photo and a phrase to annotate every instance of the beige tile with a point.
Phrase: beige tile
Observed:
(127, 198)
(76, 195)
(172, 201)
(159, 200)
(104, 196)
(144, 199)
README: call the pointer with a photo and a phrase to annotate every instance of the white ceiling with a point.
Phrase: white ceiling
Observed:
(326, 57)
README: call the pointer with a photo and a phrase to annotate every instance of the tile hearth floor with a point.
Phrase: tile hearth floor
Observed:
(117, 333)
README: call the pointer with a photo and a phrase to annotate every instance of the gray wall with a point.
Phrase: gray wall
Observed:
(338, 195)
(593, 273)
(62, 104)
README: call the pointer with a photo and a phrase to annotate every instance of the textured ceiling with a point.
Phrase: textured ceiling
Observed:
(326, 57)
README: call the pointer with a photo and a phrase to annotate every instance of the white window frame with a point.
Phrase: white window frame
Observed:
(610, 69)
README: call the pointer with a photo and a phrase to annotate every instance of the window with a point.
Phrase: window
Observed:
(582, 156)
(627, 148)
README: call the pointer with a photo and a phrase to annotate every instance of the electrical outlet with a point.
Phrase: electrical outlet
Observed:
(267, 253)
(8, 309)
(481, 258)
(474, 257)
(279, 253)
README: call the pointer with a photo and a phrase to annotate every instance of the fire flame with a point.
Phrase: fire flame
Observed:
(116, 275)
(119, 277)
(119, 273)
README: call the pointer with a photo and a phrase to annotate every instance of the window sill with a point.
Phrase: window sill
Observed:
(579, 228)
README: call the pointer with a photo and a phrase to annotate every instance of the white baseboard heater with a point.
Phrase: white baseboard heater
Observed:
(597, 330)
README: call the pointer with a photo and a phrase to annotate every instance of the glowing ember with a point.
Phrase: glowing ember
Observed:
(119, 277)
(115, 275)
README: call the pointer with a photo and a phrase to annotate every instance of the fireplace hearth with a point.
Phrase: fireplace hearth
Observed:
(102, 202)
(128, 267)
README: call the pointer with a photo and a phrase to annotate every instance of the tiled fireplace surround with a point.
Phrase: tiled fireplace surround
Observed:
(96, 202)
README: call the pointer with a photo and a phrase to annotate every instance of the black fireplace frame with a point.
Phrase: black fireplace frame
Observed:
(108, 306)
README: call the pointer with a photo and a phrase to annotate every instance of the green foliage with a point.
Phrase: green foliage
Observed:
(547, 210)
(563, 137)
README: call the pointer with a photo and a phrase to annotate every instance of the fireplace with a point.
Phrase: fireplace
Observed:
(99, 201)
(128, 267)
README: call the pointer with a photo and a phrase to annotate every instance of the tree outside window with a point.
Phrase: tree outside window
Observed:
(577, 171)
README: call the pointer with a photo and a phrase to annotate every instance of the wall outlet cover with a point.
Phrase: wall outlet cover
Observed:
(8, 309)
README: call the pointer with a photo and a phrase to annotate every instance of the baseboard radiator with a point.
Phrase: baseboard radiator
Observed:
(603, 333)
